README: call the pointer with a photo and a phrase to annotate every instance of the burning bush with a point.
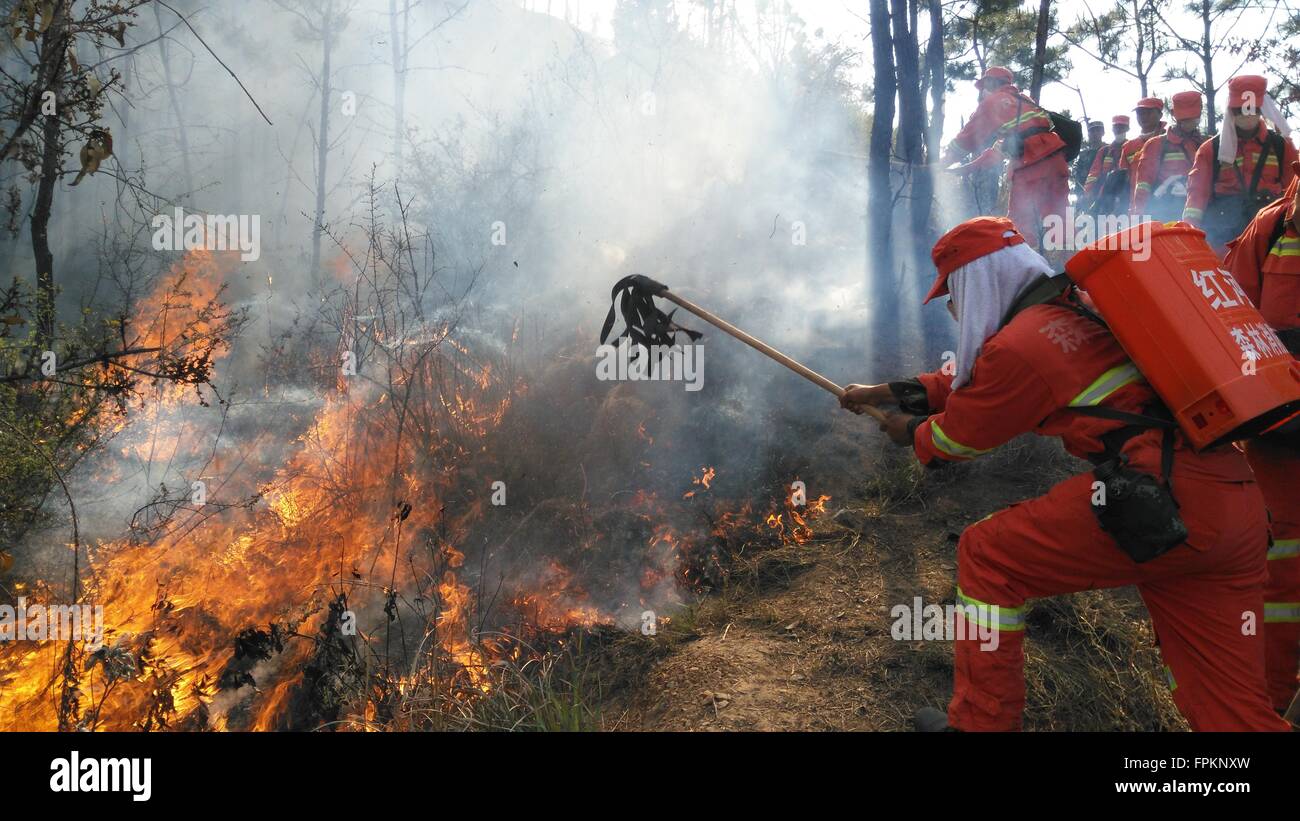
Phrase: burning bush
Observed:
(365, 574)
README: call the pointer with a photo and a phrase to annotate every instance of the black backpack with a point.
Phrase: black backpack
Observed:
(1070, 131)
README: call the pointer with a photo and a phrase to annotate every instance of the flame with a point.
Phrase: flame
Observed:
(218, 612)
(703, 481)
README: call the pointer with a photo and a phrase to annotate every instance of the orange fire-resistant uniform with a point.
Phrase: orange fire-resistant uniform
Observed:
(1028, 376)
(1162, 157)
(1133, 148)
(1040, 177)
(1106, 161)
(1210, 177)
(1270, 276)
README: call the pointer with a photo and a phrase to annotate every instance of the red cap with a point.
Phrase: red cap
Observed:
(1247, 88)
(1119, 119)
(966, 243)
(1150, 102)
(996, 73)
(1187, 104)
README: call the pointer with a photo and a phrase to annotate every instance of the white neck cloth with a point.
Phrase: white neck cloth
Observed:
(983, 291)
(1228, 128)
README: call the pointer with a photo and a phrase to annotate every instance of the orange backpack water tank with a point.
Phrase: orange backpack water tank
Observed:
(1190, 329)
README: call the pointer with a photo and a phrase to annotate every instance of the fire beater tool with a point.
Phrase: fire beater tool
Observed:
(648, 326)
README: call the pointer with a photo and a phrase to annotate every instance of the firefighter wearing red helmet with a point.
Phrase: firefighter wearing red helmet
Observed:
(1148, 111)
(1265, 260)
(1031, 358)
(1040, 175)
(1160, 171)
(1088, 153)
(1115, 192)
(1107, 159)
(1244, 167)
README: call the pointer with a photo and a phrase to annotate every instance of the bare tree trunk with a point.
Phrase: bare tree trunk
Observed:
(53, 51)
(1141, 46)
(911, 121)
(1207, 60)
(934, 62)
(322, 137)
(173, 100)
(882, 127)
(399, 37)
(1040, 49)
(45, 291)
(880, 206)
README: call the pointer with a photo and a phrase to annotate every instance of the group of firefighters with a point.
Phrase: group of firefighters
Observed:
(1033, 357)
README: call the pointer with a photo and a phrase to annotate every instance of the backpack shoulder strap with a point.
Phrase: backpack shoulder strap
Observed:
(1047, 288)
(1218, 165)
(1043, 289)
(1159, 155)
(1279, 148)
(1272, 142)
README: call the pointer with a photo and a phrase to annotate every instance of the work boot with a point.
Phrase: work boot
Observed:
(930, 720)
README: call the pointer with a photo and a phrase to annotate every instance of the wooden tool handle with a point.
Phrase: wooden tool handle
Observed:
(765, 349)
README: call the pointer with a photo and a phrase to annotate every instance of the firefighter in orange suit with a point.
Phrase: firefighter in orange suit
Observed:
(1148, 112)
(1160, 172)
(1115, 192)
(1040, 175)
(1265, 261)
(1089, 152)
(1044, 365)
(1107, 159)
(1243, 168)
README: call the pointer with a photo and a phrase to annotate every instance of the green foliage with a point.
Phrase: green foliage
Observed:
(1281, 50)
(1130, 36)
(40, 422)
(999, 33)
(49, 419)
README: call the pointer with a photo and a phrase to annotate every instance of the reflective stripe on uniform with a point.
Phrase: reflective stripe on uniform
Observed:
(1271, 160)
(1281, 612)
(951, 447)
(1016, 122)
(1286, 247)
(1144, 186)
(1193, 213)
(1284, 549)
(992, 616)
(1106, 384)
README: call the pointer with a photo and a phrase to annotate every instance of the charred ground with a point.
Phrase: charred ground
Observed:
(800, 639)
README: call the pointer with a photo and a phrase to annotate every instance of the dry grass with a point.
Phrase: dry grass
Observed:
(800, 637)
